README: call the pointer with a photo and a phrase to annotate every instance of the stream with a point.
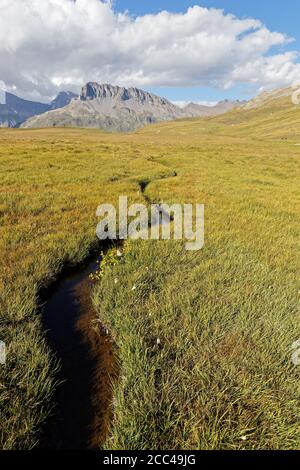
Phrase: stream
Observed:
(83, 398)
(82, 414)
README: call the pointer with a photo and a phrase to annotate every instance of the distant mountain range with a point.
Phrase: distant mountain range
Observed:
(199, 110)
(104, 106)
(16, 110)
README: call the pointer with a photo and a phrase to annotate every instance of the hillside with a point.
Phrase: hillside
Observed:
(270, 116)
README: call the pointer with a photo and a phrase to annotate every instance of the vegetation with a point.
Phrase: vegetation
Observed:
(51, 185)
(106, 260)
(204, 338)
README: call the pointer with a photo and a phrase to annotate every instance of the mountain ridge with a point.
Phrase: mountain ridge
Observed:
(200, 110)
(17, 110)
(116, 108)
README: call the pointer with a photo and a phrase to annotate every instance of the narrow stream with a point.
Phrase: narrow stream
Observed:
(82, 416)
(86, 352)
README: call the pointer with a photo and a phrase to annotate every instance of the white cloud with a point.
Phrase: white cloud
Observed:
(48, 45)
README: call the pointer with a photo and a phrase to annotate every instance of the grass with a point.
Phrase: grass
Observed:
(51, 185)
(220, 376)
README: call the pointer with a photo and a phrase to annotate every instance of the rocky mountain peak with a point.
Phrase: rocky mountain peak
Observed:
(93, 90)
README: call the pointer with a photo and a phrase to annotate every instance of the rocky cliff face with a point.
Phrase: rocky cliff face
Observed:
(94, 90)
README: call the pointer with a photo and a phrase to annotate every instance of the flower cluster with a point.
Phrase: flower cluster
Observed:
(106, 260)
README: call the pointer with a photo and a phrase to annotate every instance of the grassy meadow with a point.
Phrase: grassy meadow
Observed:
(220, 376)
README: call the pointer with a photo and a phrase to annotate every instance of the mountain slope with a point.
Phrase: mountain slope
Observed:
(270, 115)
(8, 117)
(17, 110)
(111, 108)
(62, 99)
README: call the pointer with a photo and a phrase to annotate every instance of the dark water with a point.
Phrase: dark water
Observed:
(66, 302)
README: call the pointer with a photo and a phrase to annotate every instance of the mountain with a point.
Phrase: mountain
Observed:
(17, 110)
(8, 117)
(112, 108)
(62, 99)
(198, 110)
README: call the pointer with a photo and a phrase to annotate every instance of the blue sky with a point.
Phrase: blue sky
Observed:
(278, 15)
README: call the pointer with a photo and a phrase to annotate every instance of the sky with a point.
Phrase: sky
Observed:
(277, 15)
(200, 50)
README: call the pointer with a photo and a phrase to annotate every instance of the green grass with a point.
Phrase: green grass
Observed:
(221, 376)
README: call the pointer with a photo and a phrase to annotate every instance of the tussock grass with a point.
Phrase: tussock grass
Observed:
(220, 376)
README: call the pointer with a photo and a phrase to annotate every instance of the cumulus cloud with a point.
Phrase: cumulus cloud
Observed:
(50, 45)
